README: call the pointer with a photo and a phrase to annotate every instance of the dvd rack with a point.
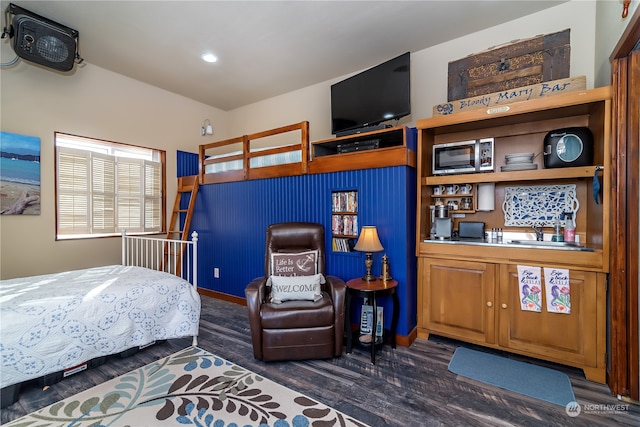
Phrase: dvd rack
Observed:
(344, 220)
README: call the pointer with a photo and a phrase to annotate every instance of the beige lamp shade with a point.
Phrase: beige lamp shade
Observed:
(368, 240)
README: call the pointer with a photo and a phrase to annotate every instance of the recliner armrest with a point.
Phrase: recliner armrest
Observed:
(338, 290)
(256, 292)
(336, 287)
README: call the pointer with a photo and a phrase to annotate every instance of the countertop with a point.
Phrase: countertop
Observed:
(515, 243)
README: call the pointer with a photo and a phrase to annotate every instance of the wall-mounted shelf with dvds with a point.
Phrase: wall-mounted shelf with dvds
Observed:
(344, 220)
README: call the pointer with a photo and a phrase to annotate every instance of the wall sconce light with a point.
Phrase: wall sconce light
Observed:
(207, 129)
(368, 242)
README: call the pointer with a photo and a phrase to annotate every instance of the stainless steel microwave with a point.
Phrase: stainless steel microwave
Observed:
(463, 157)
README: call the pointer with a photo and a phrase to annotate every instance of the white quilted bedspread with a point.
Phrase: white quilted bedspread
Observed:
(56, 321)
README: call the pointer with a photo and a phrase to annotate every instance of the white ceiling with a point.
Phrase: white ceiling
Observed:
(265, 48)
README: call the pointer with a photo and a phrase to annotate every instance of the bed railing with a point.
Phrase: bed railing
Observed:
(255, 156)
(177, 257)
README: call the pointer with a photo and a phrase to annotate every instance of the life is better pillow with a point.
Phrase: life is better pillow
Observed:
(294, 263)
(289, 288)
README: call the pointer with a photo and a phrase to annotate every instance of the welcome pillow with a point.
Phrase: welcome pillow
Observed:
(289, 288)
(294, 263)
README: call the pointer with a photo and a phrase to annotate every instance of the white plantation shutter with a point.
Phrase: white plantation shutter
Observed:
(103, 175)
(130, 200)
(152, 196)
(73, 191)
(101, 194)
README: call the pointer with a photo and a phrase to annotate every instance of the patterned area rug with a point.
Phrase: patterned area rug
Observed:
(191, 387)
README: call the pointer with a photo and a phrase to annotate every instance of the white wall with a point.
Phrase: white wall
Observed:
(96, 103)
(429, 68)
(610, 26)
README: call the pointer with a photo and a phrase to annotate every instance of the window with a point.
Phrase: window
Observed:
(104, 187)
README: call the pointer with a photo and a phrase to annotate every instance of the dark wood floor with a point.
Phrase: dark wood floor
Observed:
(409, 386)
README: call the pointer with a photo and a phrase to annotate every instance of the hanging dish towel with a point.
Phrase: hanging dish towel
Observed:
(557, 290)
(530, 284)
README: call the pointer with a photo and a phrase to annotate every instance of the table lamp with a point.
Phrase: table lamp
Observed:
(368, 242)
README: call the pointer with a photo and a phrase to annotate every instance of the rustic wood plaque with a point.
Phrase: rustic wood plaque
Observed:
(520, 63)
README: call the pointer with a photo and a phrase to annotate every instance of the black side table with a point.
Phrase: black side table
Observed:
(371, 290)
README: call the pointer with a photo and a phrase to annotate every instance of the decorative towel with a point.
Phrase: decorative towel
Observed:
(530, 284)
(557, 290)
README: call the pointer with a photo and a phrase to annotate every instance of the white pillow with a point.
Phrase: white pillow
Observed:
(289, 288)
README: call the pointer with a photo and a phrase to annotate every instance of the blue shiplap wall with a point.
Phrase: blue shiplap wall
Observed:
(231, 220)
(187, 164)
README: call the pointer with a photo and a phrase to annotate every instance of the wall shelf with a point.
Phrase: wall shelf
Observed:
(344, 220)
(396, 147)
(538, 174)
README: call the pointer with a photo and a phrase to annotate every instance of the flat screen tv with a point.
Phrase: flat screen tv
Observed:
(371, 97)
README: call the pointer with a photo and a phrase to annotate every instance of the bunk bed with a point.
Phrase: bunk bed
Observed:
(55, 325)
(282, 151)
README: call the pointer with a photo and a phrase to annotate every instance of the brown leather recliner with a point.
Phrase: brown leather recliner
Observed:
(296, 330)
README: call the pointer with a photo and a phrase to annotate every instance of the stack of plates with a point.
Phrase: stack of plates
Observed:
(519, 162)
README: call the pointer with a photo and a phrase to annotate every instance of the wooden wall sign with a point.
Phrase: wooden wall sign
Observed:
(525, 93)
(520, 63)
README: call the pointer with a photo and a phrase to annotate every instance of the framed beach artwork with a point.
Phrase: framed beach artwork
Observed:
(19, 174)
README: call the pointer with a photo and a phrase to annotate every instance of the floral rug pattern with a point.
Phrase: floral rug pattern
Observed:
(191, 387)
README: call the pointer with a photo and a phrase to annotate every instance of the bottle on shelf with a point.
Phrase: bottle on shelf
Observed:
(557, 231)
(569, 227)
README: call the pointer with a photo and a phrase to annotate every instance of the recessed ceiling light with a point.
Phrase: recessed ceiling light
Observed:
(209, 57)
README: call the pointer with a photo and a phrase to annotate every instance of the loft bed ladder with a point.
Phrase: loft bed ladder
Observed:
(186, 185)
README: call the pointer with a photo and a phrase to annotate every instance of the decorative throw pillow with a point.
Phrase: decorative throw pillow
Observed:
(294, 263)
(289, 288)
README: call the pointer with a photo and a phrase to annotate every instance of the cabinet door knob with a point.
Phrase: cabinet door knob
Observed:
(489, 304)
(504, 306)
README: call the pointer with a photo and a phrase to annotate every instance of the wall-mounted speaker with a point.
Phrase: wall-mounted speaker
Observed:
(43, 41)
